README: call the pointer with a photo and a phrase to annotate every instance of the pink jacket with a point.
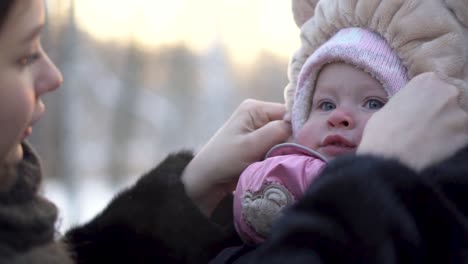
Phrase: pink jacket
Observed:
(266, 187)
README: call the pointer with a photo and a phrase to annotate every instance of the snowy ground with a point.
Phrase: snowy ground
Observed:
(79, 205)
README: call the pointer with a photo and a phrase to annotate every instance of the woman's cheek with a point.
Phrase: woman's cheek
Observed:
(14, 155)
(17, 119)
(10, 140)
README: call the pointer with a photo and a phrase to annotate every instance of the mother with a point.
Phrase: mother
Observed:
(159, 219)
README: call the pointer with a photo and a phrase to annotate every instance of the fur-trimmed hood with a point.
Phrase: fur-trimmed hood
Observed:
(427, 35)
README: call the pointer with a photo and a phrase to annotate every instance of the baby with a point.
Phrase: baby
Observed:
(340, 86)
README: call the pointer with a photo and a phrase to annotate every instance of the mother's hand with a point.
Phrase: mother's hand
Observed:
(253, 128)
(422, 124)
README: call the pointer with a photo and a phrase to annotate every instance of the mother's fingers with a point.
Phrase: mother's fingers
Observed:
(420, 125)
(260, 113)
(427, 87)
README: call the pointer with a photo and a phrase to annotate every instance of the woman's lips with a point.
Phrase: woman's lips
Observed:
(39, 112)
(27, 132)
(336, 145)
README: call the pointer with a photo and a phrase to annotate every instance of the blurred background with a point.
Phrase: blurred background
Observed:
(144, 78)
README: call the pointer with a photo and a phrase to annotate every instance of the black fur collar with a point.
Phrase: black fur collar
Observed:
(27, 220)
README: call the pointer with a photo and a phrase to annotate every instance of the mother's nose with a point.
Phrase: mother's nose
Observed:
(49, 77)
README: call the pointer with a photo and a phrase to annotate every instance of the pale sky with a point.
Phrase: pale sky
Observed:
(245, 27)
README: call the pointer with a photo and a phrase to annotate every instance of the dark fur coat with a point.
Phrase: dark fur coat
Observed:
(362, 210)
(27, 221)
(151, 222)
(371, 210)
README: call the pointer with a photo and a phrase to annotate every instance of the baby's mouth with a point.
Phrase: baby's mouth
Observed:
(336, 145)
(337, 140)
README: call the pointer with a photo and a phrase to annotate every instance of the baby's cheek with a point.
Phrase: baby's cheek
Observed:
(362, 126)
(308, 138)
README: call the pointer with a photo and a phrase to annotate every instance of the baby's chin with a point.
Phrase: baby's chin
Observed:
(15, 155)
(332, 153)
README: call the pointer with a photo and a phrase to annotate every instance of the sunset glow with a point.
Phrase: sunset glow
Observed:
(244, 27)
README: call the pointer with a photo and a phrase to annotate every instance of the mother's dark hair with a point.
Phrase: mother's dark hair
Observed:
(5, 8)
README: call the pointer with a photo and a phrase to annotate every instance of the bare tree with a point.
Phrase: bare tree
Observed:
(124, 120)
(181, 90)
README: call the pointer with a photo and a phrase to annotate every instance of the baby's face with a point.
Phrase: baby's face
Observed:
(345, 98)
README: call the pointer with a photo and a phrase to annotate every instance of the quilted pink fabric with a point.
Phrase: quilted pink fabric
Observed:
(266, 187)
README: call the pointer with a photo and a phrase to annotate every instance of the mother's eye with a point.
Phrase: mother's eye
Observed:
(29, 59)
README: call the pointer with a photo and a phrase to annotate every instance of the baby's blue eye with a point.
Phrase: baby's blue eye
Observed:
(327, 106)
(374, 104)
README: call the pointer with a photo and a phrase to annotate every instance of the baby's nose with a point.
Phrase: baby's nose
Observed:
(340, 118)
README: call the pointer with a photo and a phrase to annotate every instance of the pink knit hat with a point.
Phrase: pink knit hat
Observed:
(356, 46)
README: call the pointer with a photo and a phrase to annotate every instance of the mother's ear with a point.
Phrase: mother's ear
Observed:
(460, 9)
(303, 10)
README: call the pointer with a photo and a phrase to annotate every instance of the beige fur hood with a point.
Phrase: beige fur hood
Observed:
(427, 35)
